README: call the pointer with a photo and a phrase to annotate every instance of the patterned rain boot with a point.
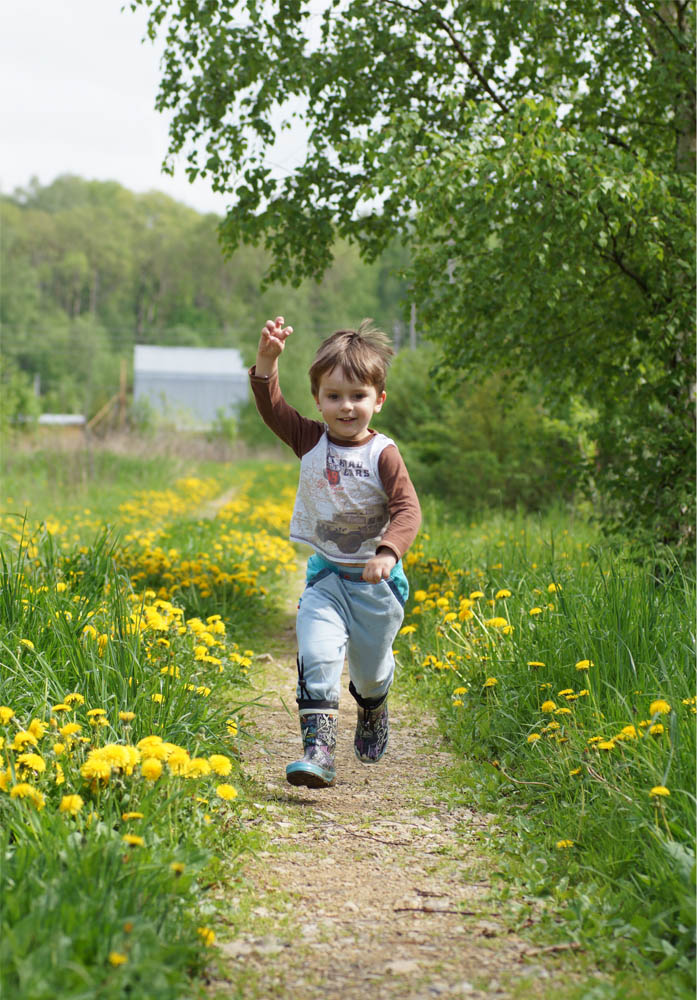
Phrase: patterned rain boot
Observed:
(372, 732)
(316, 769)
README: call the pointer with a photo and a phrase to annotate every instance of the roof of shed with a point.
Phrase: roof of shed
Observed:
(219, 361)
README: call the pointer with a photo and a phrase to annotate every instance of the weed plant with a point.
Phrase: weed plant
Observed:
(564, 671)
(123, 679)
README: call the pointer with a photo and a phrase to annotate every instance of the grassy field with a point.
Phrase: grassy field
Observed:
(562, 671)
(563, 674)
(124, 652)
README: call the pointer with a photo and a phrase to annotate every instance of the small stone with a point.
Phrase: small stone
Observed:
(235, 949)
(268, 946)
(402, 966)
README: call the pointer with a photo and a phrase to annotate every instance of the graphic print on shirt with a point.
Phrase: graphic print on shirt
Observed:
(341, 506)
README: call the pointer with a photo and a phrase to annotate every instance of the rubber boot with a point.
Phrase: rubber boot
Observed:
(372, 732)
(316, 769)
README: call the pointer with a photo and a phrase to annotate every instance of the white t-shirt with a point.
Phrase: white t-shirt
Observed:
(341, 507)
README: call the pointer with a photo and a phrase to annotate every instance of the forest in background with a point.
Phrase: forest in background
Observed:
(89, 269)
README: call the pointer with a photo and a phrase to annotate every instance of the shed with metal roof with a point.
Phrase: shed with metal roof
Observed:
(189, 387)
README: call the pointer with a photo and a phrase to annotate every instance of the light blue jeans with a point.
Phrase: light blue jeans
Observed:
(340, 616)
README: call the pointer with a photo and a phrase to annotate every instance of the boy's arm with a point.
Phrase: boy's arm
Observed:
(405, 516)
(300, 433)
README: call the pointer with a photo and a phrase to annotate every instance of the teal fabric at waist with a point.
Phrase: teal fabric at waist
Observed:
(317, 563)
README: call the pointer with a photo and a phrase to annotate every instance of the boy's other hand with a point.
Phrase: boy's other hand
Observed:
(379, 567)
(272, 341)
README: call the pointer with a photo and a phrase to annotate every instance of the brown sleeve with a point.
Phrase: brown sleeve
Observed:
(299, 432)
(405, 512)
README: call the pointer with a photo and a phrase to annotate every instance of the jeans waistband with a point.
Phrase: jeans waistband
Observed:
(317, 564)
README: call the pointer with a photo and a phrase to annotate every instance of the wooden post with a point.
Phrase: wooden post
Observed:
(122, 394)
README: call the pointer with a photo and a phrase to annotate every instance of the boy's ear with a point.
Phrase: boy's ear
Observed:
(382, 396)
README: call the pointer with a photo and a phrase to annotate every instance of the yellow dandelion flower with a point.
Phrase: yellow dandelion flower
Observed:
(627, 733)
(659, 791)
(420, 596)
(127, 716)
(490, 682)
(26, 642)
(132, 815)
(151, 768)
(460, 690)
(534, 737)
(535, 663)
(117, 958)
(197, 767)
(606, 745)
(657, 729)
(227, 792)
(206, 934)
(584, 664)
(574, 772)
(659, 707)
(231, 727)
(407, 630)
(564, 844)
(6, 714)
(548, 706)
(553, 587)
(220, 764)
(133, 840)
(32, 762)
(476, 594)
(24, 790)
(496, 622)
(75, 698)
(22, 738)
(71, 804)
(502, 593)
(178, 867)
(535, 611)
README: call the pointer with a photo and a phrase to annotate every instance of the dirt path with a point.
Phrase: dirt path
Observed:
(373, 888)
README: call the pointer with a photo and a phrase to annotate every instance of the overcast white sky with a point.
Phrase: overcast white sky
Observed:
(78, 92)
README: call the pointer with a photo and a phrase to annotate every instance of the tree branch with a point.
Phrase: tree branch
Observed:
(447, 28)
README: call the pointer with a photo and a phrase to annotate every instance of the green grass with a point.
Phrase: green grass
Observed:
(106, 639)
(554, 717)
(74, 587)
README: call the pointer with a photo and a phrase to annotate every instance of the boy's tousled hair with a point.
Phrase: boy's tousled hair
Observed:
(363, 354)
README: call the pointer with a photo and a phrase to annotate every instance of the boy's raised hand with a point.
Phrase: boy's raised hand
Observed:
(271, 343)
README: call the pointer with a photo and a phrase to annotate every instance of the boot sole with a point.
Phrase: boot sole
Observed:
(309, 775)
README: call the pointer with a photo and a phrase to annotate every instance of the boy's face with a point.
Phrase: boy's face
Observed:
(347, 407)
